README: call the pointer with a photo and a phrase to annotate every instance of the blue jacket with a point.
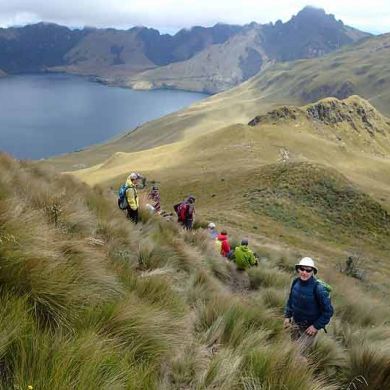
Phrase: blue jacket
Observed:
(309, 304)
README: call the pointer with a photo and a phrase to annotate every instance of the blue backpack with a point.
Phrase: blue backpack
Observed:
(122, 199)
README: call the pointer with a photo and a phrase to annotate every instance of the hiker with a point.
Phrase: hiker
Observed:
(141, 181)
(308, 308)
(185, 212)
(212, 230)
(243, 256)
(154, 196)
(132, 197)
(222, 243)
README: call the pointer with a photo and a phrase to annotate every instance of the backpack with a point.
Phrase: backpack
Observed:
(181, 211)
(122, 199)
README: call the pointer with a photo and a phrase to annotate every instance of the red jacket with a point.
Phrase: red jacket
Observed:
(225, 247)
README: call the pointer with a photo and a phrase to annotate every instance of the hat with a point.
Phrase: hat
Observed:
(154, 188)
(211, 225)
(191, 199)
(244, 241)
(133, 176)
(306, 262)
(224, 232)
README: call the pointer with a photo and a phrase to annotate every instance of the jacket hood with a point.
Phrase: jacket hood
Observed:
(129, 183)
(244, 248)
(222, 237)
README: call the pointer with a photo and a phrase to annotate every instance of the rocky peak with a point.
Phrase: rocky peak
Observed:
(313, 16)
(311, 12)
(354, 111)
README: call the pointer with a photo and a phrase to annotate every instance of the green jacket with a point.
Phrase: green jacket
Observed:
(244, 257)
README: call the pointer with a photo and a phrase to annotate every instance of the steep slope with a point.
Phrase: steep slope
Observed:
(34, 48)
(362, 69)
(107, 51)
(88, 299)
(311, 33)
(101, 52)
(217, 68)
(348, 136)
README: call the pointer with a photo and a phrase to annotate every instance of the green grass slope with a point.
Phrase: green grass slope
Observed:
(88, 300)
(362, 68)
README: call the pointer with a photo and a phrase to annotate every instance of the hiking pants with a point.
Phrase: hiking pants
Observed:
(303, 339)
(132, 215)
(187, 224)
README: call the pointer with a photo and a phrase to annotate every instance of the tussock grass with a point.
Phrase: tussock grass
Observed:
(89, 300)
(371, 362)
(187, 368)
(329, 357)
(361, 311)
(224, 371)
(274, 298)
(227, 321)
(280, 367)
(263, 277)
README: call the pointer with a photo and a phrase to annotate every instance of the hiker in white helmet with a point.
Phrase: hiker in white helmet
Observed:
(212, 230)
(308, 308)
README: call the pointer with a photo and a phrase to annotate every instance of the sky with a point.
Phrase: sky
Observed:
(169, 16)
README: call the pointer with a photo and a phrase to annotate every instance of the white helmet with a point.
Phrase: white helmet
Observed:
(211, 225)
(307, 262)
(133, 176)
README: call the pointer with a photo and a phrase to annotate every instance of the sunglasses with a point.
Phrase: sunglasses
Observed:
(303, 269)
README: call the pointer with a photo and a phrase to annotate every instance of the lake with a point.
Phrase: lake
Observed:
(50, 114)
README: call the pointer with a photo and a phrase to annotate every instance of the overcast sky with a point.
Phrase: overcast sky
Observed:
(172, 15)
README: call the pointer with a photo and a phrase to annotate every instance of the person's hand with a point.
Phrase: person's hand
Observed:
(311, 330)
(287, 322)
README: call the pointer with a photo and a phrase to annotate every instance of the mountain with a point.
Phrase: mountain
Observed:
(201, 59)
(362, 69)
(45, 46)
(311, 33)
(35, 48)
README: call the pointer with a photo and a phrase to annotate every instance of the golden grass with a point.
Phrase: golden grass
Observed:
(90, 299)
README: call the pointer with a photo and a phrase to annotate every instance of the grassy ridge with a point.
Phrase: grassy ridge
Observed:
(88, 300)
(318, 201)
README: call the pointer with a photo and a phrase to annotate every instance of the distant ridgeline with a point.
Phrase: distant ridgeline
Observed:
(143, 58)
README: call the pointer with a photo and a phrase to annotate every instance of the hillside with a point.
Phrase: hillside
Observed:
(348, 138)
(88, 299)
(311, 33)
(362, 69)
(43, 46)
(193, 58)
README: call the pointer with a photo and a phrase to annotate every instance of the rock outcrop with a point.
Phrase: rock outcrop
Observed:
(354, 112)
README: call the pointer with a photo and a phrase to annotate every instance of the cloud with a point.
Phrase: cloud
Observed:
(175, 14)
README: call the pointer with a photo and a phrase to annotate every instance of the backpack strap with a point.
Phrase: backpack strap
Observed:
(294, 282)
(316, 294)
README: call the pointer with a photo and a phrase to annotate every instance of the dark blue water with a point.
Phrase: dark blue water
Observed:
(46, 115)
